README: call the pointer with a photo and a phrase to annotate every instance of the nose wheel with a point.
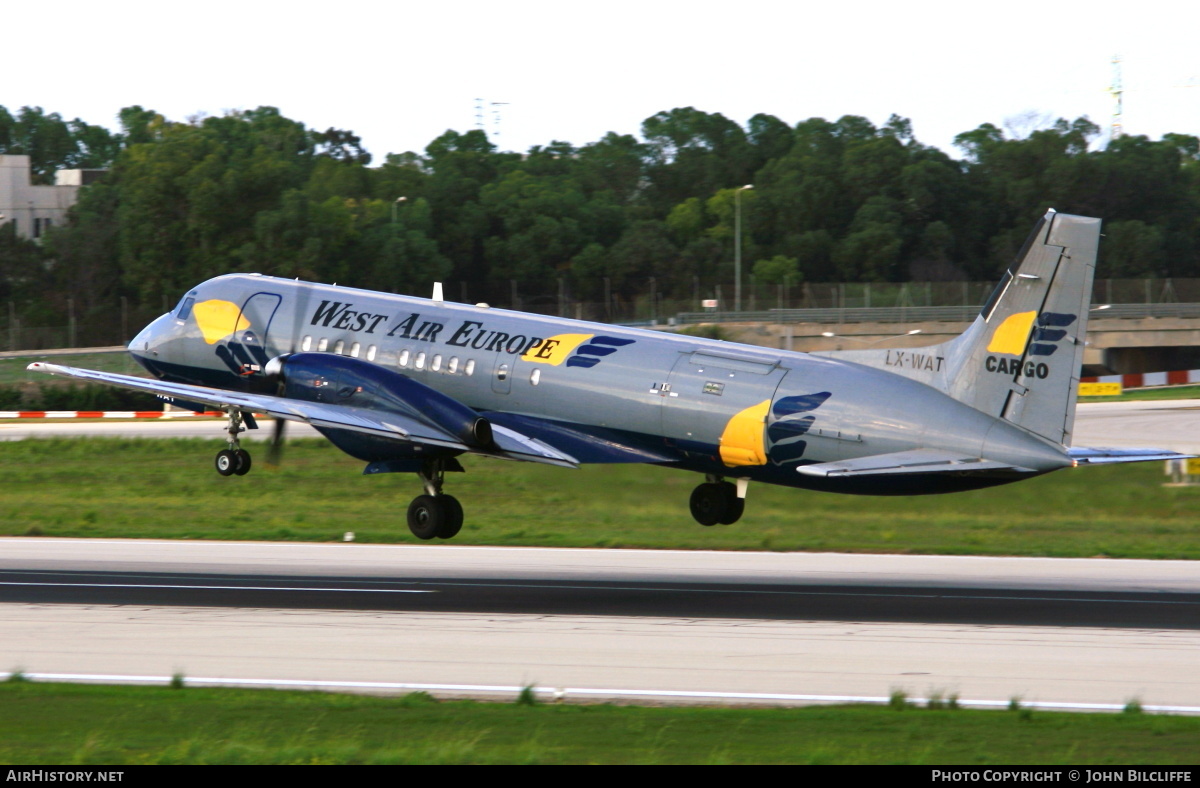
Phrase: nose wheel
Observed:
(234, 461)
(435, 514)
(717, 501)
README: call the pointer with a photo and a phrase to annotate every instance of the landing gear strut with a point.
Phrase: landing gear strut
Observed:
(434, 514)
(235, 460)
(717, 501)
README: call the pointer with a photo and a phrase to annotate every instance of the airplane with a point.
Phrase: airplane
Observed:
(409, 385)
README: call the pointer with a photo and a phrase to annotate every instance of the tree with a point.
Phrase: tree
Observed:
(777, 270)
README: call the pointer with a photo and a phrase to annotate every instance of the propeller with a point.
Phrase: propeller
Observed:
(274, 370)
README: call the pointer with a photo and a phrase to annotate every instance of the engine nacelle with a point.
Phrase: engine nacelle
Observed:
(329, 378)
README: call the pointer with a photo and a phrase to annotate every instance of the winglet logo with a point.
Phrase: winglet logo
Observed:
(1012, 335)
(791, 425)
(742, 441)
(558, 348)
(218, 319)
(554, 350)
(589, 355)
(1051, 328)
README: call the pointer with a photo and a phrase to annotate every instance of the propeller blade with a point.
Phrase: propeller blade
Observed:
(275, 450)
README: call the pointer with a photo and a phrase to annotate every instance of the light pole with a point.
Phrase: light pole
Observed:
(737, 247)
(395, 205)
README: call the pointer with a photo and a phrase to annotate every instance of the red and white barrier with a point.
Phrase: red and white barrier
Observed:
(1138, 380)
(105, 414)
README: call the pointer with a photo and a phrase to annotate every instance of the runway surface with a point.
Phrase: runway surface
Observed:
(656, 622)
(613, 624)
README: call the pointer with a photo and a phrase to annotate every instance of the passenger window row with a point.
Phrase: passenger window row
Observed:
(409, 360)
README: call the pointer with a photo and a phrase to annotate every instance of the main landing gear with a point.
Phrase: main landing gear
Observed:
(717, 501)
(434, 514)
(234, 461)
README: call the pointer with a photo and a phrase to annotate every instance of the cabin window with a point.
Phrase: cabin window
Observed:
(452, 365)
(339, 347)
(436, 364)
(470, 367)
(403, 360)
(502, 372)
(306, 344)
(323, 345)
(420, 363)
(354, 350)
(370, 353)
(535, 377)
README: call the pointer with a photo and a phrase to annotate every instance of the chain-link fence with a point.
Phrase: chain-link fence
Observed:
(119, 322)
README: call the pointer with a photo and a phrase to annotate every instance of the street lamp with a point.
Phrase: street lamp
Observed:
(395, 205)
(737, 247)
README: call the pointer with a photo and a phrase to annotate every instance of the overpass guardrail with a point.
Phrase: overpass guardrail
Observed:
(917, 314)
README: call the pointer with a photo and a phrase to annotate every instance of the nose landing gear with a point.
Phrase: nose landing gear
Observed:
(234, 461)
(717, 501)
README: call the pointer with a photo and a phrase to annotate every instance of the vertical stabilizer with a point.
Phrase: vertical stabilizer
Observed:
(1020, 359)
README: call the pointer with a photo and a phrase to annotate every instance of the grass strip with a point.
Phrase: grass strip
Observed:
(167, 489)
(82, 724)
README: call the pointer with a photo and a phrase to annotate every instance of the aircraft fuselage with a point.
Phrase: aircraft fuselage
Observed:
(714, 407)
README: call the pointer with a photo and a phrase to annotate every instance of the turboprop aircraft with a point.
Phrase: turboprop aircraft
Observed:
(410, 384)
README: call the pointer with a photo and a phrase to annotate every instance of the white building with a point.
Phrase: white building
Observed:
(34, 209)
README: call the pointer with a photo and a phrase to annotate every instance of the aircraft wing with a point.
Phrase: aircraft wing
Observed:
(509, 444)
(1085, 456)
(913, 461)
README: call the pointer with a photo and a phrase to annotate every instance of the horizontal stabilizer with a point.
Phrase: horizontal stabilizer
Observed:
(914, 461)
(1083, 456)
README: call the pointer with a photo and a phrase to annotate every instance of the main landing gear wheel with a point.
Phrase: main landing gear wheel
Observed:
(243, 462)
(432, 516)
(717, 502)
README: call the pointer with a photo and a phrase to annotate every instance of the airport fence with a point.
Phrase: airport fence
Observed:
(815, 302)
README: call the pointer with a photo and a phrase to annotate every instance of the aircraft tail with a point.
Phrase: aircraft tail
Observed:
(1020, 360)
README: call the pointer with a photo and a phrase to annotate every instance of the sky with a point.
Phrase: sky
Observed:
(401, 73)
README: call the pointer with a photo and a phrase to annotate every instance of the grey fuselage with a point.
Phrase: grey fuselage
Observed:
(704, 405)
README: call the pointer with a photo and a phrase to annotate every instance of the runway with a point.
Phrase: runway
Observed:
(666, 626)
(622, 621)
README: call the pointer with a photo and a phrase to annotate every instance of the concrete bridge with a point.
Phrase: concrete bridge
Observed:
(1122, 338)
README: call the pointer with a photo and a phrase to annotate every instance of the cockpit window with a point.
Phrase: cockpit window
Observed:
(185, 308)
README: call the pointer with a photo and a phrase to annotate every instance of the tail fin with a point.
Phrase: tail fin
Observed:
(1020, 359)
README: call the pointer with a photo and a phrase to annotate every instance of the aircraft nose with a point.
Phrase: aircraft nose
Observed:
(148, 341)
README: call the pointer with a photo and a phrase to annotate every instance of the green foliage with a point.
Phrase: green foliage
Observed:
(527, 696)
(161, 488)
(843, 199)
(95, 724)
(52, 396)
